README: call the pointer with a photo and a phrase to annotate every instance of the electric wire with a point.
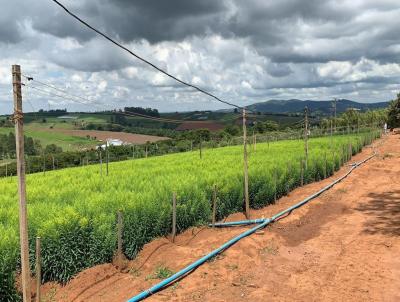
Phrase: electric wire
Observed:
(144, 60)
(90, 103)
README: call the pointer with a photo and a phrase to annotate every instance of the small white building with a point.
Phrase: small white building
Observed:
(111, 142)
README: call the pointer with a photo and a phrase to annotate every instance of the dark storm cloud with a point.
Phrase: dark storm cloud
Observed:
(152, 20)
(277, 29)
(239, 49)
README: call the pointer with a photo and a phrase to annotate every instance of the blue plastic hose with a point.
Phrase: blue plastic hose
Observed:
(263, 223)
(297, 205)
(195, 264)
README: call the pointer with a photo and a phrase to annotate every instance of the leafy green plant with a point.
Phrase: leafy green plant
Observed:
(74, 210)
(162, 272)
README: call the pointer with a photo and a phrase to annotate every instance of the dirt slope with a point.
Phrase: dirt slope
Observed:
(343, 246)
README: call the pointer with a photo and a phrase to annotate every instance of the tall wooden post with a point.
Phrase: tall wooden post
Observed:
(173, 216)
(334, 112)
(44, 163)
(245, 168)
(23, 219)
(38, 269)
(201, 149)
(107, 158)
(101, 161)
(306, 135)
(275, 183)
(119, 238)
(214, 207)
(301, 172)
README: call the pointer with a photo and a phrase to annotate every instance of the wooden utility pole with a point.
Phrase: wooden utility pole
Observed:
(23, 219)
(245, 168)
(306, 135)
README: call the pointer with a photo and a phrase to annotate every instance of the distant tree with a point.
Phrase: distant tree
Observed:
(145, 111)
(52, 149)
(29, 146)
(232, 130)
(271, 126)
(394, 113)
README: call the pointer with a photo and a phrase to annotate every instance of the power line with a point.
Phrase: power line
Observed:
(144, 60)
(56, 88)
(88, 102)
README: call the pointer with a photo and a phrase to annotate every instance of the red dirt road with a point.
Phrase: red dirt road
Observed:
(343, 246)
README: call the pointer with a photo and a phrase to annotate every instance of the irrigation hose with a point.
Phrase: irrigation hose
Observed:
(261, 223)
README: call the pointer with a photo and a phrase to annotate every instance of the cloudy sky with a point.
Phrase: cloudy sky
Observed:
(242, 51)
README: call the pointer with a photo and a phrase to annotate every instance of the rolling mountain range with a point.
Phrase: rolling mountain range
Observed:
(321, 107)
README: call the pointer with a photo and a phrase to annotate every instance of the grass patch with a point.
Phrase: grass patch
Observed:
(161, 272)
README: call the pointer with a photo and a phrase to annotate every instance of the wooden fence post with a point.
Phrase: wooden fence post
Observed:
(306, 135)
(44, 163)
(173, 216)
(101, 162)
(107, 158)
(23, 216)
(214, 207)
(38, 269)
(119, 236)
(245, 168)
(302, 172)
(201, 147)
(275, 183)
(350, 151)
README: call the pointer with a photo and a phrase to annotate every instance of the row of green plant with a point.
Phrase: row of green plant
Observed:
(53, 158)
(74, 210)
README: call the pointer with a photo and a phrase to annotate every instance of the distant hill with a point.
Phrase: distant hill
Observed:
(321, 107)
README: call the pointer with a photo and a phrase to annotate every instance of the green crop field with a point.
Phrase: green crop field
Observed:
(66, 142)
(74, 210)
